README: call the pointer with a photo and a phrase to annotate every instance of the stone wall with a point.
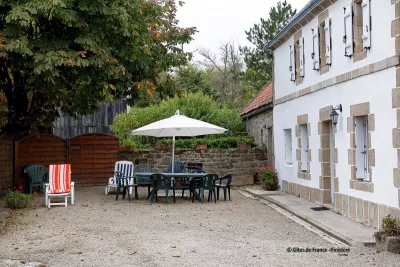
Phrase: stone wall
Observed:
(260, 127)
(241, 163)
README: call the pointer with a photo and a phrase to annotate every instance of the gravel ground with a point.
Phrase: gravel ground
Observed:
(99, 231)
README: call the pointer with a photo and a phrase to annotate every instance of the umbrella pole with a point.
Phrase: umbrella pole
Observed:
(173, 154)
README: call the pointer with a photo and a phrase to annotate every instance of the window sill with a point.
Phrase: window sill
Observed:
(362, 186)
(288, 164)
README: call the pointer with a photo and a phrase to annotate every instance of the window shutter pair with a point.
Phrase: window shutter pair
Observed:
(348, 30)
(292, 67)
(315, 53)
(366, 9)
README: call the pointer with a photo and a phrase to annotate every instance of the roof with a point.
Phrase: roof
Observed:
(262, 99)
(311, 10)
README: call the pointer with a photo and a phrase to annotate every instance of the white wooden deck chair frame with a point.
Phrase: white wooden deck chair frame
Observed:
(124, 166)
(49, 196)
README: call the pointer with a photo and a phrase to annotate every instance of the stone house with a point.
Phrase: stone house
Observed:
(337, 106)
(257, 116)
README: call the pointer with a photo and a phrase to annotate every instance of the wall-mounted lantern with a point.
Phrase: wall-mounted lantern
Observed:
(334, 115)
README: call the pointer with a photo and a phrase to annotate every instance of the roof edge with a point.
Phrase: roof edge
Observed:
(310, 6)
(257, 111)
(254, 97)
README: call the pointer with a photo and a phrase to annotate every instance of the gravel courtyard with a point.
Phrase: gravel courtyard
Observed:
(99, 231)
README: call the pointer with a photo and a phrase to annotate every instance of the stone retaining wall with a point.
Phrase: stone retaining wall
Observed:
(242, 163)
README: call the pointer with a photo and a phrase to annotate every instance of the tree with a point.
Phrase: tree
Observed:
(197, 106)
(258, 62)
(227, 85)
(72, 55)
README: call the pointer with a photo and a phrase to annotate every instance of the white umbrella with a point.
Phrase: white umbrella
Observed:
(178, 125)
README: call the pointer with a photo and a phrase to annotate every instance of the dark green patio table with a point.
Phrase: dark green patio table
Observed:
(174, 176)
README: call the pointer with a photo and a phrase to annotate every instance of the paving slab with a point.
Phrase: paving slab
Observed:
(328, 221)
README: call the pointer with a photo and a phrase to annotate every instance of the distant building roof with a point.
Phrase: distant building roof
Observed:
(262, 99)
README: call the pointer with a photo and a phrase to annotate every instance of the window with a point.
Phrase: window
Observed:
(288, 146)
(262, 138)
(322, 46)
(357, 27)
(304, 147)
(361, 142)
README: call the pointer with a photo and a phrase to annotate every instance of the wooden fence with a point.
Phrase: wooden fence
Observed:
(6, 163)
(92, 156)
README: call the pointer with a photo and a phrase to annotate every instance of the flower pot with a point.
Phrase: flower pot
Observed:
(163, 147)
(201, 147)
(387, 243)
(17, 202)
(244, 145)
(126, 148)
(270, 187)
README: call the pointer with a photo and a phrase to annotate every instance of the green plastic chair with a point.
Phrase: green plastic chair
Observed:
(163, 183)
(124, 183)
(142, 181)
(38, 176)
(224, 183)
(209, 184)
(204, 183)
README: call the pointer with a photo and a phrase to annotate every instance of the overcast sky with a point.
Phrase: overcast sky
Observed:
(221, 21)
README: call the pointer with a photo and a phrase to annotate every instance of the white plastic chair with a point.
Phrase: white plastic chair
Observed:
(126, 167)
(60, 185)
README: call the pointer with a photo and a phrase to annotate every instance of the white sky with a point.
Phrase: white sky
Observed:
(221, 21)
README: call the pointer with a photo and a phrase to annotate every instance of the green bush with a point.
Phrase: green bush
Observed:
(196, 106)
(215, 142)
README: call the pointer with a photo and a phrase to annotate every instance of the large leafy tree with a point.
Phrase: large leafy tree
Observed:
(70, 55)
(259, 63)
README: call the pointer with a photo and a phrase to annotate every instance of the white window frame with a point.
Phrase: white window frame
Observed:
(328, 43)
(366, 11)
(362, 147)
(304, 147)
(288, 146)
(348, 37)
(315, 54)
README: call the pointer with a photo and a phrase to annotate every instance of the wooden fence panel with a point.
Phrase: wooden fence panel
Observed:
(46, 149)
(92, 157)
(6, 163)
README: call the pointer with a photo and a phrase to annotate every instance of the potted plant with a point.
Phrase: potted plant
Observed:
(200, 144)
(16, 199)
(244, 142)
(127, 145)
(388, 239)
(268, 178)
(164, 144)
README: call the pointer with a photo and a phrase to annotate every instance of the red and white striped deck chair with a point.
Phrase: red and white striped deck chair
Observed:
(60, 185)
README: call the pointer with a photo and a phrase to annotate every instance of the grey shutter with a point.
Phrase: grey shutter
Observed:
(348, 31)
(366, 10)
(328, 52)
(315, 54)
